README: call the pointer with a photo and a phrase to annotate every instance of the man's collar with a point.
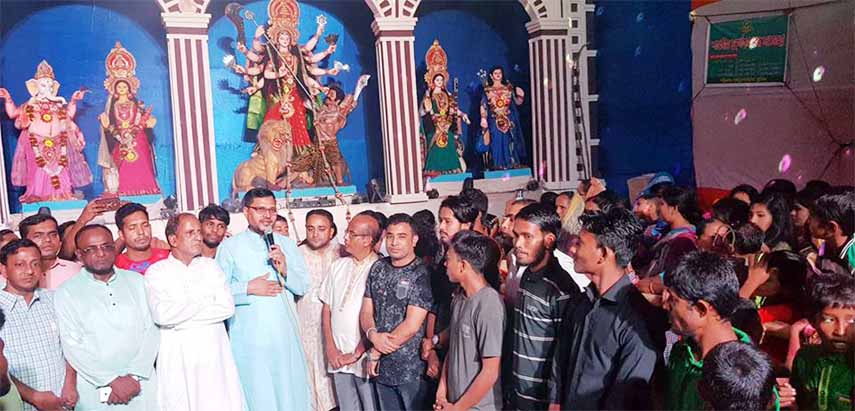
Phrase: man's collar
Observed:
(110, 280)
(616, 294)
(549, 267)
(9, 300)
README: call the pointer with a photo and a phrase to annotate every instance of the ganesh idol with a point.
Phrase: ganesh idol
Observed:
(125, 153)
(48, 158)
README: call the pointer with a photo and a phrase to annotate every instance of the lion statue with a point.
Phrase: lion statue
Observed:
(269, 161)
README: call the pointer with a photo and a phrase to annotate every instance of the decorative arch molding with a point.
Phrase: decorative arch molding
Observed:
(393, 8)
(184, 6)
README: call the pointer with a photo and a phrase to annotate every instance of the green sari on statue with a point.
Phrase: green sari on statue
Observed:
(440, 131)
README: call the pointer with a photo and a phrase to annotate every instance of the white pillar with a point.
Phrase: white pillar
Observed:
(192, 108)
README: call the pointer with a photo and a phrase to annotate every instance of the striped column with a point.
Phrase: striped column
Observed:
(192, 109)
(396, 71)
(553, 140)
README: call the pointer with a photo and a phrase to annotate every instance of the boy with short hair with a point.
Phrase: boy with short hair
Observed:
(737, 376)
(701, 296)
(470, 374)
(823, 375)
(832, 220)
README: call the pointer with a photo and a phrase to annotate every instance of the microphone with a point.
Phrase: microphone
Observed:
(269, 242)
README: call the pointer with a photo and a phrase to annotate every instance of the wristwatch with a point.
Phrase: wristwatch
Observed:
(435, 341)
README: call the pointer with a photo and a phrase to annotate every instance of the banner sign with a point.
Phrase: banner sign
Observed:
(748, 51)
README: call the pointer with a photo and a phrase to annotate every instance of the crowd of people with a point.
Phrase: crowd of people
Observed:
(581, 300)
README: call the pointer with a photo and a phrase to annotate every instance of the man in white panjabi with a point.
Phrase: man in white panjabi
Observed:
(319, 250)
(189, 300)
(341, 294)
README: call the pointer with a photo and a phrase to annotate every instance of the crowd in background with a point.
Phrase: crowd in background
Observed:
(581, 300)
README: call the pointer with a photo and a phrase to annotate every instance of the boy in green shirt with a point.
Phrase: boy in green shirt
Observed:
(701, 295)
(832, 220)
(823, 375)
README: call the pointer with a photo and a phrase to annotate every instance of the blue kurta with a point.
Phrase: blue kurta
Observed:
(264, 330)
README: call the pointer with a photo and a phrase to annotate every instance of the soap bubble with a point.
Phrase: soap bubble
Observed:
(818, 73)
(784, 164)
(741, 115)
(600, 10)
(753, 43)
(637, 51)
(639, 17)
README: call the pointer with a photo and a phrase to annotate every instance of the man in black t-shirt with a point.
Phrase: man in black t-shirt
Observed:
(396, 302)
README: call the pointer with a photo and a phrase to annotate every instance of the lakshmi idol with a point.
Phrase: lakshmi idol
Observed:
(125, 153)
(441, 118)
(48, 158)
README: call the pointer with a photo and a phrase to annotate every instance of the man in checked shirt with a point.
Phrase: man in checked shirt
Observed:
(36, 362)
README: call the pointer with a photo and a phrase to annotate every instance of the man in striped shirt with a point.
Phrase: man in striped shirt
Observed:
(544, 293)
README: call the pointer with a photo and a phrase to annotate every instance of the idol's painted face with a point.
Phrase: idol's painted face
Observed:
(497, 75)
(284, 39)
(438, 81)
(122, 88)
(45, 87)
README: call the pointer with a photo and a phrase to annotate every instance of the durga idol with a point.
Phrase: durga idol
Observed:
(48, 158)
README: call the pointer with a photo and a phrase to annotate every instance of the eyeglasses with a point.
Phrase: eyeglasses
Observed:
(105, 248)
(263, 210)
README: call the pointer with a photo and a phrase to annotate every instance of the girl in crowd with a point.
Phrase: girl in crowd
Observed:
(680, 210)
(745, 193)
(771, 213)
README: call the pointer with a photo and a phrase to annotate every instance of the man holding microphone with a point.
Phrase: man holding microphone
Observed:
(264, 278)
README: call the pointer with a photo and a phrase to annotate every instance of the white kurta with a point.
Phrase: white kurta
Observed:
(309, 309)
(195, 364)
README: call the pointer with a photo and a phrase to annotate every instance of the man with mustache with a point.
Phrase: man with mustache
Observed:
(215, 222)
(189, 299)
(545, 289)
(264, 330)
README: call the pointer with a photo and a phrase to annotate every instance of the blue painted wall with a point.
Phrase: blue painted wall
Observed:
(644, 69)
(476, 36)
(75, 40)
(234, 142)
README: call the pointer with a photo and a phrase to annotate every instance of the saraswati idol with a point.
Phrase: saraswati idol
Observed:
(49, 155)
(125, 154)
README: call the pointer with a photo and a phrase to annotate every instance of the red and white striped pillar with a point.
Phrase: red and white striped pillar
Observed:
(192, 109)
(554, 145)
(396, 72)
